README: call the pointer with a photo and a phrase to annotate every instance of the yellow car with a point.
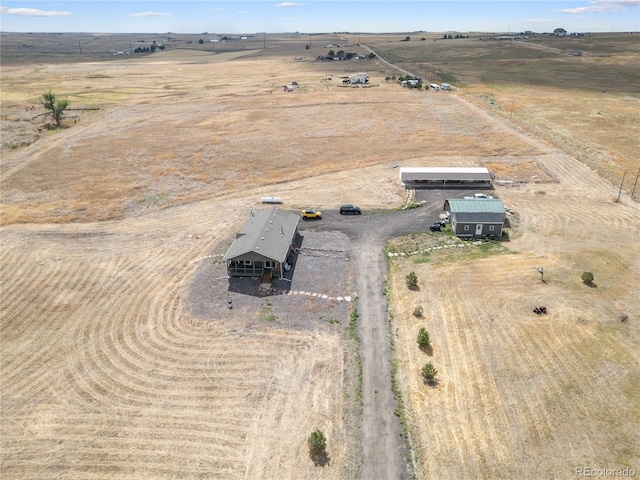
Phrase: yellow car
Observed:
(307, 214)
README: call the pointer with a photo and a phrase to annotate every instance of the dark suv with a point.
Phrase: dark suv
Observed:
(347, 209)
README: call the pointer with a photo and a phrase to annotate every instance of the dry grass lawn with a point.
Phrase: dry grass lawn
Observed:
(521, 395)
(105, 373)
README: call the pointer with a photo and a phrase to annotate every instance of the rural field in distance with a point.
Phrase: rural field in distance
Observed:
(119, 356)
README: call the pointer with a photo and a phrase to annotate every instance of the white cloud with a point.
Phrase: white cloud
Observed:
(540, 20)
(33, 12)
(241, 12)
(287, 19)
(289, 4)
(149, 14)
(601, 6)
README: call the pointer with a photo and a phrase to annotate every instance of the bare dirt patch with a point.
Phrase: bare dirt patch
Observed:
(518, 171)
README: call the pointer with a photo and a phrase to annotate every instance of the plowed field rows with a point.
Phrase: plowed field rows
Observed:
(105, 375)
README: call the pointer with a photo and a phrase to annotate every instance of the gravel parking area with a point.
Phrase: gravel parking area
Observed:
(317, 296)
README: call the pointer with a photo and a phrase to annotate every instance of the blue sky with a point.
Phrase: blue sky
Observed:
(191, 16)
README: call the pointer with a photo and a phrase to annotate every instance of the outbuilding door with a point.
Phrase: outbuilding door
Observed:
(478, 230)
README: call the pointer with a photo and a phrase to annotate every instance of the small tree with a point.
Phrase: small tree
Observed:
(55, 107)
(418, 311)
(429, 372)
(201, 42)
(424, 342)
(587, 278)
(317, 443)
(412, 280)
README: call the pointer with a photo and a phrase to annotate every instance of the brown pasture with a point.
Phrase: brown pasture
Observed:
(106, 373)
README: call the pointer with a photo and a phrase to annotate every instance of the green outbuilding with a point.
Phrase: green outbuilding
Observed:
(475, 218)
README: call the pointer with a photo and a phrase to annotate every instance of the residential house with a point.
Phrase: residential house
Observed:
(264, 245)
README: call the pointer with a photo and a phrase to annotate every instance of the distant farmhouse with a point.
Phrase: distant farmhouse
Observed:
(358, 78)
(445, 177)
(560, 32)
(264, 245)
(475, 218)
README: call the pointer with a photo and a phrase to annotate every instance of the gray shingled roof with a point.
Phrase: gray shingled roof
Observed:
(268, 233)
(483, 205)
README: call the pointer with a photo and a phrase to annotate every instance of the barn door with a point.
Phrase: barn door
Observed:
(478, 230)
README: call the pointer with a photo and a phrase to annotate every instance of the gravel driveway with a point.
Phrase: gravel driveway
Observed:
(333, 251)
(383, 447)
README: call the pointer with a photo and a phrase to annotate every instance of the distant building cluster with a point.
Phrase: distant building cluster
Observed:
(332, 55)
(558, 32)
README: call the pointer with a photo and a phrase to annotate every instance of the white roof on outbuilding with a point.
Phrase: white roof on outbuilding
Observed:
(444, 173)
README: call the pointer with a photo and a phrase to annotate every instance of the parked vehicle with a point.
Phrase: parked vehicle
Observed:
(350, 209)
(435, 227)
(307, 214)
(479, 196)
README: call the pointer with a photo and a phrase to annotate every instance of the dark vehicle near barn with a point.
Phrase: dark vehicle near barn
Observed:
(350, 209)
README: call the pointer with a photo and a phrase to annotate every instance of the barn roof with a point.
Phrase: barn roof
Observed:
(444, 173)
(267, 233)
(468, 205)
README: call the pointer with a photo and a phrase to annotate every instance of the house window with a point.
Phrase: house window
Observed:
(491, 228)
(269, 264)
(466, 227)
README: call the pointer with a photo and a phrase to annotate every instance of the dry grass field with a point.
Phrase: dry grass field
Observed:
(587, 106)
(107, 374)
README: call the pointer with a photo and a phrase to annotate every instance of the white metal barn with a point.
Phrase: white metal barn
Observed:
(447, 177)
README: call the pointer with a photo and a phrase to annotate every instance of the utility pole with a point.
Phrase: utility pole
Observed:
(621, 183)
(264, 41)
(80, 48)
(511, 112)
(635, 183)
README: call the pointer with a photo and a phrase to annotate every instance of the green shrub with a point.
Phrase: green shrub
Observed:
(429, 372)
(412, 280)
(424, 341)
(317, 443)
(587, 278)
